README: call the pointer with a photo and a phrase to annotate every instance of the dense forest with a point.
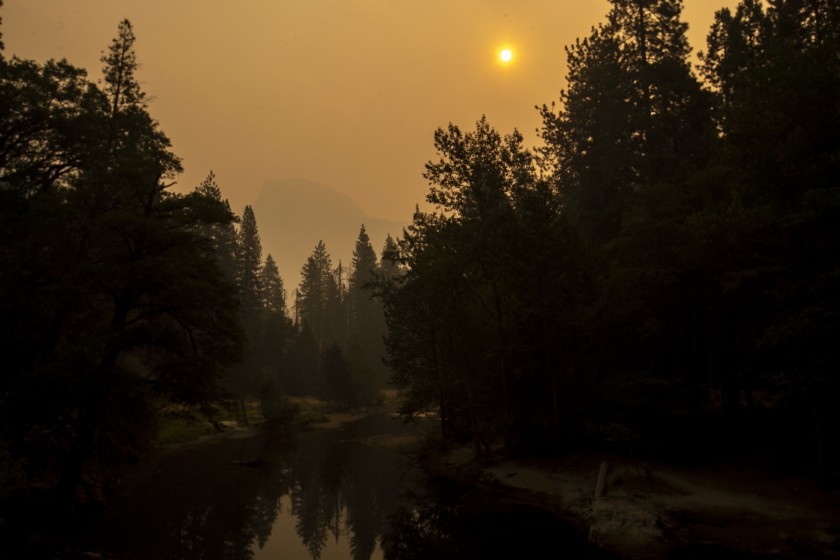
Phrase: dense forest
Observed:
(658, 277)
(661, 275)
(124, 302)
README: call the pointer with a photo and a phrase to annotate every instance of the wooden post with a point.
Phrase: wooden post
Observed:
(601, 485)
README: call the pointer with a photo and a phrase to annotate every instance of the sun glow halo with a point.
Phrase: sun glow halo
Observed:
(505, 55)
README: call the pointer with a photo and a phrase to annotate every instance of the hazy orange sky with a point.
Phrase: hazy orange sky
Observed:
(346, 93)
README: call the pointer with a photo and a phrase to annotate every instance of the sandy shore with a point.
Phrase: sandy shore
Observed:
(646, 510)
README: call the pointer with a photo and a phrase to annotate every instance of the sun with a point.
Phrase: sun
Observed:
(506, 56)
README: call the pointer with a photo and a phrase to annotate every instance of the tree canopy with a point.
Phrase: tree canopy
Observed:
(113, 301)
(660, 271)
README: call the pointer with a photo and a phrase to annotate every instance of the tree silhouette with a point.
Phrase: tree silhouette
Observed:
(123, 305)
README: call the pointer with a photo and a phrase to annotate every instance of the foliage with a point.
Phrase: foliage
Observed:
(663, 269)
(112, 299)
(318, 295)
(366, 319)
(183, 427)
(337, 347)
(339, 385)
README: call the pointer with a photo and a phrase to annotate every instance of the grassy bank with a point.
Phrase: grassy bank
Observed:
(178, 424)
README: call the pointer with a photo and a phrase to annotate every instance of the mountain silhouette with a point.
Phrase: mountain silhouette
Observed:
(294, 214)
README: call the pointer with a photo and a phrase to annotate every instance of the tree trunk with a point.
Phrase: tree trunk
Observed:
(91, 407)
(87, 423)
(506, 416)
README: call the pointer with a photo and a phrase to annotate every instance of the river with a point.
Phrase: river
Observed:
(327, 494)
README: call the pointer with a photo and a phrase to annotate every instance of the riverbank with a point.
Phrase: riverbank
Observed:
(639, 509)
(276, 492)
(310, 414)
(636, 509)
(646, 510)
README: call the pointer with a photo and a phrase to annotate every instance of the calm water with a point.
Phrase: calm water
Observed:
(323, 494)
(333, 494)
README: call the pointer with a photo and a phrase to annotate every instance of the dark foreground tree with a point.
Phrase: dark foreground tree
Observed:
(775, 73)
(450, 311)
(113, 301)
(667, 283)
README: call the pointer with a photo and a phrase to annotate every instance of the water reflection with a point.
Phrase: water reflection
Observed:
(454, 520)
(346, 489)
(237, 499)
(332, 494)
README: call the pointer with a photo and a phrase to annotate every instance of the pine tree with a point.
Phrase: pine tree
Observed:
(388, 266)
(273, 293)
(317, 290)
(222, 235)
(132, 141)
(364, 261)
(449, 328)
(633, 114)
(774, 69)
(120, 62)
(336, 307)
(366, 323)
(775, 72)
(248, 377)
(249, 262)
(277, 330)
(363, 268)
(122, 285)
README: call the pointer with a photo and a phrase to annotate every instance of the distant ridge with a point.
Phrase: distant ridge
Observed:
(294, 214)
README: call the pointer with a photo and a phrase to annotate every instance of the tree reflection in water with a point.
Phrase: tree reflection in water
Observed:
(456, 520)
(332, 494)
(344, 488)
(223, 499)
